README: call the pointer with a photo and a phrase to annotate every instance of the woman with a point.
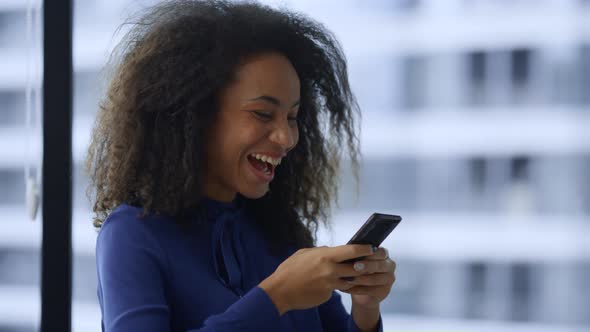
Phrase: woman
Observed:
(213, 161)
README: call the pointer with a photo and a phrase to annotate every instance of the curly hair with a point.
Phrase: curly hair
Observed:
(147, 147)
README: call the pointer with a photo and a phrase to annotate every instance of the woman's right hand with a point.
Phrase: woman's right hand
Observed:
(308, 277)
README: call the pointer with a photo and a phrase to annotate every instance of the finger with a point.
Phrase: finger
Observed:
(380, 254)
(351, 270)
(340, 270)
(376, 291)
(368, 266)
(350, 251)
(343, 274)
(342, 285)
(375, 279)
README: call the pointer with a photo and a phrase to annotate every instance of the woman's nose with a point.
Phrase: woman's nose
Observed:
(284, 135)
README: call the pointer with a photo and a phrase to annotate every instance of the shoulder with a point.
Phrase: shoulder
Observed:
(130, 258)
(126, 218)
(125, 226)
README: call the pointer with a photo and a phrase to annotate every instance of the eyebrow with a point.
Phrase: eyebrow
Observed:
(272, 100)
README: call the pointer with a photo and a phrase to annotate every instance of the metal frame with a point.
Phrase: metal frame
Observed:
(56, 269)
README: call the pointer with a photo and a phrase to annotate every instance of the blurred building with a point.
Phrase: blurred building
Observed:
(475, 130)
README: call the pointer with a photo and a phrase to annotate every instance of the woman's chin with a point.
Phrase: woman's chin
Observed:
(254, 193)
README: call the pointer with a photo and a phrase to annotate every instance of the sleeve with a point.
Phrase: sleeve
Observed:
(131, 267)
(335, 318)
(253, 312)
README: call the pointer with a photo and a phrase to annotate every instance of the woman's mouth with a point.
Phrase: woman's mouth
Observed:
(263, 166)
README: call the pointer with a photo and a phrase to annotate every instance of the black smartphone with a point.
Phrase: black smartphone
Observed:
(374, 231)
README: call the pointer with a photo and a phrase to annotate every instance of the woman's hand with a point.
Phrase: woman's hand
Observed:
(373, 286)
(308, 277)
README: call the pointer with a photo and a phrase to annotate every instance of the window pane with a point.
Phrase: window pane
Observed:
(20, 158)
(474, 130)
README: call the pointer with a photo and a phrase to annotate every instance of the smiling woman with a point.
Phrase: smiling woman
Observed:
(213, 160)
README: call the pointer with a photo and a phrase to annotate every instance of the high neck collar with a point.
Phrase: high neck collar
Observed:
(212, 203)
(215, 208)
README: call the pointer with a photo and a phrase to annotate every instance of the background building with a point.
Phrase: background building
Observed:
(475, 129)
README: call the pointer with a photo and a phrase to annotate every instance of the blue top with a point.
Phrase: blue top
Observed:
(155, 276)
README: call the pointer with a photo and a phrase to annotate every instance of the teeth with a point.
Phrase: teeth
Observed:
(267, 159)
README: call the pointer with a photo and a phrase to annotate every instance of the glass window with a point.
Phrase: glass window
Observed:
(20, 63)
(469, 250)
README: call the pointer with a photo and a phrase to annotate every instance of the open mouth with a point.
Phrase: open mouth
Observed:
(265, 169)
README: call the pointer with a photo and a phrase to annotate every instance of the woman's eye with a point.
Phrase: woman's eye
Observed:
(262, 115)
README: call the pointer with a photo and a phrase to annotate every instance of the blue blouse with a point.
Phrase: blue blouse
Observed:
(155, 276)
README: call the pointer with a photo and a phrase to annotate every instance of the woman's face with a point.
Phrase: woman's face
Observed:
(255, 128)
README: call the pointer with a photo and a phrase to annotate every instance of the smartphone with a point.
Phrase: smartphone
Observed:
(374, 231)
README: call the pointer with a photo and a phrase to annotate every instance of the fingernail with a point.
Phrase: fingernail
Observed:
(386, 253)
(374, 249)
(358, 266)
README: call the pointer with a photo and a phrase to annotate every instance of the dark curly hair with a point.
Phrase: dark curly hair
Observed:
(147, 147)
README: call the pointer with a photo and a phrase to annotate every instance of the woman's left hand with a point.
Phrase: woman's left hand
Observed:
(373, 286)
